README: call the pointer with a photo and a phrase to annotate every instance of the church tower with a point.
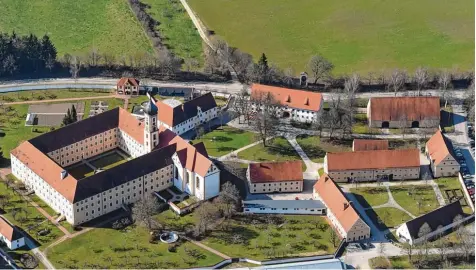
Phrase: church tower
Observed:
(151, 132)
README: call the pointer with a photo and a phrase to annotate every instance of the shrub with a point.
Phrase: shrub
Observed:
(77, 228)
(172, 248)
(29, 261)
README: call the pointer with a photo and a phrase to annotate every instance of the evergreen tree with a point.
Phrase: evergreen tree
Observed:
(263, 68)
(74, 115)
(67, 119)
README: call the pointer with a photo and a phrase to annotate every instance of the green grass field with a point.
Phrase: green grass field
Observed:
(52, 94)
(370, 196)
(316, 148)
(387, 217)
(277, 149)
(28, 218)
(75, 27)
(410, 201)
(297, 236)
(129, 248)
(355, 35)
(225, 139)
(176, 28)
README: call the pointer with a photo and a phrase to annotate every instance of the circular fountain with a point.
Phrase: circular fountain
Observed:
(169, 237)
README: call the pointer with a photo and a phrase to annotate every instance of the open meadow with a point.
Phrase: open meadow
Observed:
(355, 35)
(75, 27)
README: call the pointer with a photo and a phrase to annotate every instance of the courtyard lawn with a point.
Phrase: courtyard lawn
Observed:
(24, 215)
(356, 36)
(75, 27)
(176, 28)
(250, 236)
(80, 171)
(409, 196)
(370, 196)
(128, 248)
(316, 147)
(52, 94)
(108, 161)
(387, 217)
(277, 149)
(225, 139)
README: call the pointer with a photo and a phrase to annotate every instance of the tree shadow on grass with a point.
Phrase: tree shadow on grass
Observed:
(226, 149)
(218, 138)
(282, 150)
(228, 235)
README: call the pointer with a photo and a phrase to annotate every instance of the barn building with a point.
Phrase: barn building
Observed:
(408, 112)
(440, 152)
(340, 211)
(269, 177)
(373, 165)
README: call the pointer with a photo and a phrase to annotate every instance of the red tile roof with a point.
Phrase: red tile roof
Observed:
(275, 171)
(366, 145)
(377, 159)
(46, 168)
(438, 148)
(8, 230)
(304, 100)
(411, 108)
(124, 80)
(336, 201)
(130, 125)
(173, 116)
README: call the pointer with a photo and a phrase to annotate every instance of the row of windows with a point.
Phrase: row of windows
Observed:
(285, 183)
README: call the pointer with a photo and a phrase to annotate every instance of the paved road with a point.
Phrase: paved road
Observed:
(231, 88)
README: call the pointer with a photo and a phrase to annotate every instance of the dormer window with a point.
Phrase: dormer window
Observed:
(288, 99)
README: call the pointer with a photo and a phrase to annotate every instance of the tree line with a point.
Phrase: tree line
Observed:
(26, 54)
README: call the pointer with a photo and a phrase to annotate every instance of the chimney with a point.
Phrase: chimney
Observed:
(346, 205)
(63, 175)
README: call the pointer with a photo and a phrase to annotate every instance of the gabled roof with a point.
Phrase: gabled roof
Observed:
(336, 201)
(173, 116)
(442, 216)
(190, 157)
(265, 172)
(369, 145)
(8, 230)
(377, 159)
(88, 127)
(410, 108)
(299, 99)
(124, 80)
(438, 147)
(46, 168)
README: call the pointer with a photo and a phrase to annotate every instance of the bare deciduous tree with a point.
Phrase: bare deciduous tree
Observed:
(265, 122)
(333, 237)
(228, 200)
(396, 81)
(206, 213)
(421, 78)
(319, 67)
(242, 105)
(74, 67)
(288, 76)
(94, 57)
(144, 209)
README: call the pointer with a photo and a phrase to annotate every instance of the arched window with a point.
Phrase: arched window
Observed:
(186, 177)
(197, 182)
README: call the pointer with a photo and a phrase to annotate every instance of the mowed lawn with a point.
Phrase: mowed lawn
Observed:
(387, 217)
(316, 148)
(129, 248)
(250, 236)
(225, 139)
(277, 149)
(370, 196)
(409, 198)
(355, 35)
(76, 27)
